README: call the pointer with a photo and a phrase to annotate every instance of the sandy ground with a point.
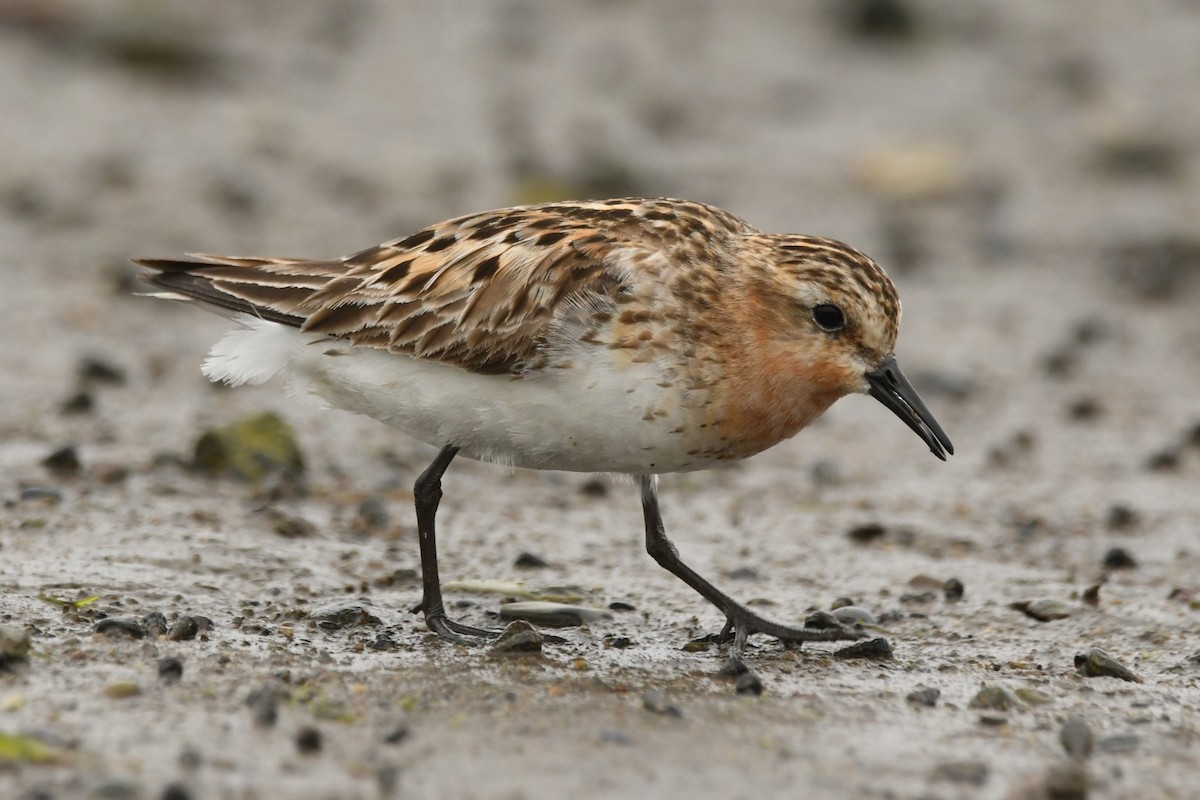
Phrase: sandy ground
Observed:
(1027, 171)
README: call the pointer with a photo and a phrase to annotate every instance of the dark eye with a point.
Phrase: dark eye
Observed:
(829, 317)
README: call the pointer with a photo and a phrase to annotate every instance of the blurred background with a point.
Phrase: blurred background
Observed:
(1028, 172)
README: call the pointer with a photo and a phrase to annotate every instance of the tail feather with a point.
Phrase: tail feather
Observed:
(210, 282)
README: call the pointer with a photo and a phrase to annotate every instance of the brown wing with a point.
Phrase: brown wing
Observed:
(479, 291)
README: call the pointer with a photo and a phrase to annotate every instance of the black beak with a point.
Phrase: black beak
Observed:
(890, 387)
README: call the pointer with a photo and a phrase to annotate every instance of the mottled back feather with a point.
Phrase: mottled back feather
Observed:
(488, 292)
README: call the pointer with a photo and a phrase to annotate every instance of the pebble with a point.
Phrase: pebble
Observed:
(15, 644)
(397, 733)
(517, 638)
(1119, 743)
(974, 773)
(170, 670)
(175, 791)
(621, 605)
(1044, 609)
(615, 736)
(94, 369)
(189, 626)
(47, 495)
(924, 696)
(372, 515)
(527, 560)
(618, 642)
(121, 690)
(879, 649)
(1121, 517)
(1032, 696)
(743, 574)
(1096, 663)
(250, 449)
(866, 533)
(308, 740)
(748, 683)
(656, 702)
(1091, 595)
(264, 704)
(127, 626)
(854, 615)
(1119, 558)
(1077, 738)
(63, 462)
(290, 526)
(340, 616)
(994, 697)
(821, 620)
(553, 615)
(81, 402)
(953, 590)
(155, 624)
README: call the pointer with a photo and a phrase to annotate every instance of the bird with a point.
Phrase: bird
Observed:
(643, 336)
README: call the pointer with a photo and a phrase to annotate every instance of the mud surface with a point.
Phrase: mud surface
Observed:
(1027, 172)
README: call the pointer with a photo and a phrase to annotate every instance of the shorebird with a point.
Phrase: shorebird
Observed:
(637, 336)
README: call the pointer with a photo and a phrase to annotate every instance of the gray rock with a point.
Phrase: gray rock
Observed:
(518, 638)
(854, 615)
(1077, 738)
(924, 696)
(994, 697)
(656, 702)
(1096, 663)
(1044, 609)
(552, 615)
(339, 616)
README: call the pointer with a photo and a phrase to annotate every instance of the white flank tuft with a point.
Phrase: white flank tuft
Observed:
(253, 353)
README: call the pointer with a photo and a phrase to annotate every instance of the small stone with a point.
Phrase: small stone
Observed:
(879, 649)
(94, 369)
(527, 560)
(1165, 460)
(397, 733)
(594, 488)
(155, 624)
(184, 628)
(621, 605)
(170, 670)
(748, 683)
(822, 620)
(63, 462)
(123, 626)
(340, 616)
(1066, 782)
(891, 20)
(308, 740)
(1044, 609)
(1091, 595)
(614, 736)
(618, 642)
(1084, 408)
(697, 646)
(1096, 663)
(1032, 696)
(372, 515)
(81, 402)
(1077, 738)
(175, 791)
(1119, 558)
(841, 602)
(866, 533)
(250, 449)
(974, 773)
(1119, 743)
(953, 590)
(743, 574)
(993, 720)
(15, 644)
(517, 638)
(121, 690)
(264, 704)
(854, 615)
(993, 698)
(924, 696)
(656, 702)
(290, 526)
(553, 615)
(45, 495)
(1121, 517)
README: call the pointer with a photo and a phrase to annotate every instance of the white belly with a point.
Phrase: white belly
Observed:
(599, 415)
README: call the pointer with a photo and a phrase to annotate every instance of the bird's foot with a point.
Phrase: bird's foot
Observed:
(740, 622)
(458, 633)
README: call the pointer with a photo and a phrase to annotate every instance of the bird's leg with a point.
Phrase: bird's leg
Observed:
(427, 492)
(740, 621)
